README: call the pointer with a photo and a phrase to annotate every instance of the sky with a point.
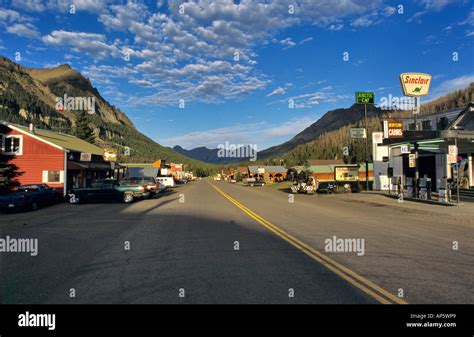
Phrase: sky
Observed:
(203, 73)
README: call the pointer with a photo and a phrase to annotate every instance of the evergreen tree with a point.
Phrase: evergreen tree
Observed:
(82, 129)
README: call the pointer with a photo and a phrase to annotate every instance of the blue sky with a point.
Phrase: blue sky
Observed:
(236, 65)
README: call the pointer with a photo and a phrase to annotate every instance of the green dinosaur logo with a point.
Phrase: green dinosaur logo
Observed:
(418, 89)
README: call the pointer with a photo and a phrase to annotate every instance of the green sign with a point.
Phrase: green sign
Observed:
(364, 97)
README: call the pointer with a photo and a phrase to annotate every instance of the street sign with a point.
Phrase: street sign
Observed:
(157, 163)
(411, 160)
(364, 97)
(393, 129)
(415, 84)
(358, 133)
(86, 156)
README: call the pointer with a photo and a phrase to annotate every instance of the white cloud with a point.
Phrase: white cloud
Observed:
(93, 6)
(453, 84)
(93, 44)
(27, 30)
(277, 91)
(288, 43)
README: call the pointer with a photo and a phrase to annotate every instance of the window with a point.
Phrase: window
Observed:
(11, 144)
(53, 176)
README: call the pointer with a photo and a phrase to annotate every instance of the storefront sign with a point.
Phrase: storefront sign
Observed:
(393, 129)
(86, 156)
(415, 84)
(404, 149)
(110, 155)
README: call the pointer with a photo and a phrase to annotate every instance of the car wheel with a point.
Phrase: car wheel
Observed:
(127, 197)
(33, 206)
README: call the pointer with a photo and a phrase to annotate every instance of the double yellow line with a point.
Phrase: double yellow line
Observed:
(367, 286)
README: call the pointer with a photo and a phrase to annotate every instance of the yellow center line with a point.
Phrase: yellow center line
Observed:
(367, 286)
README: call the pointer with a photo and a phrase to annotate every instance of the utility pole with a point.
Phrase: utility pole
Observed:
(366, 147)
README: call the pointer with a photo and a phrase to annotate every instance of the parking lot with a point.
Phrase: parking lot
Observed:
(216, 242)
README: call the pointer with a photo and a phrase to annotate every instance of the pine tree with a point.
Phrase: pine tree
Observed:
(82, 129)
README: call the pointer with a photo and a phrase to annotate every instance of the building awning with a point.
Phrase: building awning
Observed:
(84, 165)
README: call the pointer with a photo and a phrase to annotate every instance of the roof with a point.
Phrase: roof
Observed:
(315, 162)
(64, 141)
(272, 169)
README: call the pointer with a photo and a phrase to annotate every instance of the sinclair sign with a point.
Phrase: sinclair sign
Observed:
(415, 84)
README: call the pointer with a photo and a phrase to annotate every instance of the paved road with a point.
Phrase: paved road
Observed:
(186, 239)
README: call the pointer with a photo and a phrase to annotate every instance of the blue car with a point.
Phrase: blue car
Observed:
(29, 197)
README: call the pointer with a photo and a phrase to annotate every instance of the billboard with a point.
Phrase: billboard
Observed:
(358, 133)
(346, 173)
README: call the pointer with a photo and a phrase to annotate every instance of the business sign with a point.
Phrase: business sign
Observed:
(110, 155)
(411, 160)
(377, 137)
(364, 97)
(415, 84)
(86, 156)
(358, 133)
(393, 129)
(404, 149)
(346, 173)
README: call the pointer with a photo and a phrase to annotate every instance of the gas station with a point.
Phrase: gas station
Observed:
(417, 161)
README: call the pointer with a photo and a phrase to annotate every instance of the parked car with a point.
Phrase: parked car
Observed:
(256, 183)
(29, 197)
(152, 184)
(109, 190)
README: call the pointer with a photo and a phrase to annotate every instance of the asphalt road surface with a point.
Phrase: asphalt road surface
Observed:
(236, 244)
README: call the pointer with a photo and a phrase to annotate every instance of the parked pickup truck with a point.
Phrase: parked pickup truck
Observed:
(152, 184)
(109, 190)
(29, 197)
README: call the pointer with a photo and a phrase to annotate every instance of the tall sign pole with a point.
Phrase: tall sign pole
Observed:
(365, 98)
(415, 85)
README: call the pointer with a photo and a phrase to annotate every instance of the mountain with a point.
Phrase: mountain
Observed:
(207, 155)
(331, 120)
(29, 95)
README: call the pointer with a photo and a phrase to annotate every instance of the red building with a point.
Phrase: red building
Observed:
(62, 161)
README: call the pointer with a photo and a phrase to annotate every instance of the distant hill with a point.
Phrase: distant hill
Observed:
(332, 120)
(28, 95)
(456, 99)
